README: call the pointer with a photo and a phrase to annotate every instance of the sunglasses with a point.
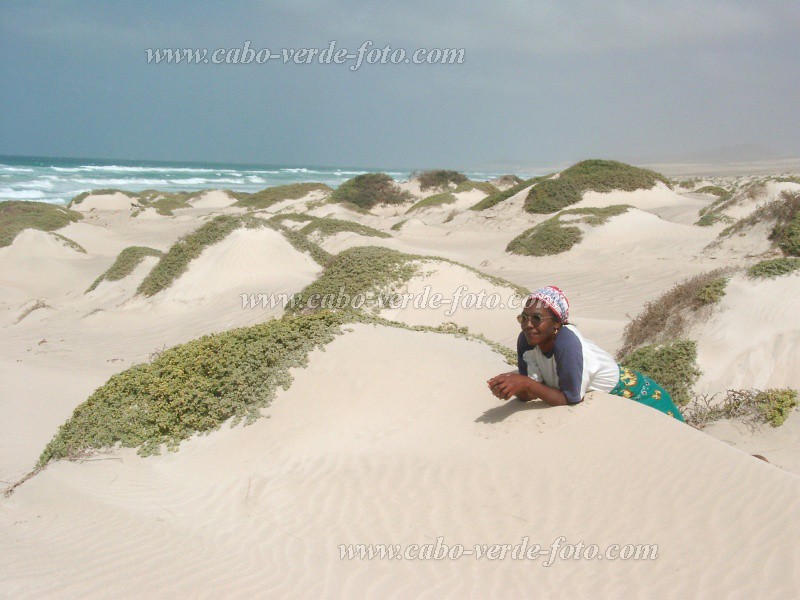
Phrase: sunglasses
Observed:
(535, 319)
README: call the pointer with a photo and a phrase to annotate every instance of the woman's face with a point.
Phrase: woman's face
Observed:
(542, 334)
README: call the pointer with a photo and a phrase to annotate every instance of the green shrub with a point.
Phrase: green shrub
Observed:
(399, 225)
(786, 234)
(713, 189)
(125, 263)
(328, 226)
(368, 190)
(507, 181)
(669, 316)
(439, 179)
(547, 238)
(297, 218)
(552, 195)
(673, 365)
(709, 219)
(776, 267)
(437, 200)
(69, 243)
(555, 235)
(193, 387)
(484, 186)
(175, 262)
(366, 271)
(751, 406)
(16, 215)
(272, 195)
(301, 243)
(499, 197)
(165, 202)
(712, 292)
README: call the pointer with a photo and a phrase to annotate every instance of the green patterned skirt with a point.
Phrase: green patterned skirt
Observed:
(641, 388)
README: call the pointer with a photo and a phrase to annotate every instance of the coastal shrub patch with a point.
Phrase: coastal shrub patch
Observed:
(301, 243)
(776, 267)
(673, 365)
(439, 178)
(197, 386)
(193, 388)
(552, 195)
(547, 238)
(498, 197)
(506, 181)
(399, 225)
(713, 189)
(296, 217)
(16, 215)
(670, 315)
(484, 186)
(165, 202)
(125, 263)
(754, 407)
(370, 189)
(72, 244)
(175, 262)
(784, 213)
(362, 271)
(437, 200)
(327, 226)
(555, 235)
(272, 195)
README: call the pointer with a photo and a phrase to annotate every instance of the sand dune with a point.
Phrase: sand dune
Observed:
(389, 436)
(358, 451)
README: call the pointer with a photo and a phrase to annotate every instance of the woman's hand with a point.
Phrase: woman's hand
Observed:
(508, 385)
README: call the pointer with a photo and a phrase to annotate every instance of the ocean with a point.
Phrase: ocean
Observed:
(57, 180)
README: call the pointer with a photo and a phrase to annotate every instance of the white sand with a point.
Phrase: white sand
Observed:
(116, 201)
(359, 452)
(389, 436)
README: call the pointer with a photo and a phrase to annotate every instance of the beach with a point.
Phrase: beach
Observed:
(387, 435)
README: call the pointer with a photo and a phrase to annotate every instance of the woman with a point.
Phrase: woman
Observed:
(556, 364)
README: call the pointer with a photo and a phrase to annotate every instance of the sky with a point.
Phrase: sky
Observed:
(541, 82)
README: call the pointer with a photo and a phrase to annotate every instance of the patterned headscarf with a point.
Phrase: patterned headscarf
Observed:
(554, 299)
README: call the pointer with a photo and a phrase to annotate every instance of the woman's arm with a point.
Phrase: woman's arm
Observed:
(507, 385)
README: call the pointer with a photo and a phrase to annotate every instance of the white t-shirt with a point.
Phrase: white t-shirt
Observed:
(575, 366)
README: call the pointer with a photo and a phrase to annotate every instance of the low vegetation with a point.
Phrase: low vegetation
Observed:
(557, 234)
(554, 194)
(357, 272)
(16, 215)
(193, 388)
(125, 263)
(498, 197)
(713, 189)
(672, 364)
(399, 225)
(301, 243)
(668, 317)
(165, 202)
(71, 244)
(506, 181)
(439, 178)
(437, 200)
(775, 267)
(175, 262)
(272, 195)
(754, 407)
(327, 226)
(484, 186)
(368, 190)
